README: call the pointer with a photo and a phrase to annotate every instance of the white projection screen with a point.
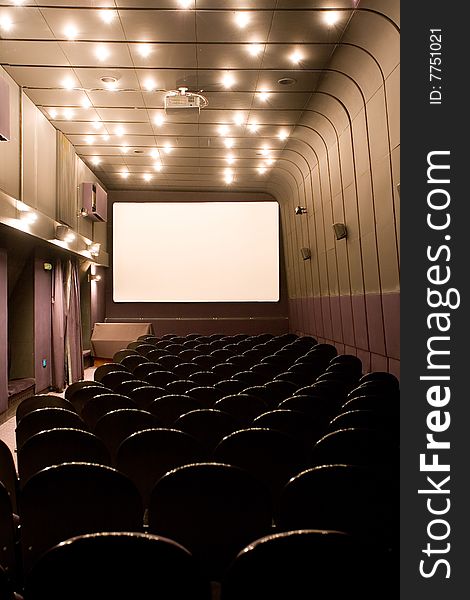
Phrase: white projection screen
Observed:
(196, 252)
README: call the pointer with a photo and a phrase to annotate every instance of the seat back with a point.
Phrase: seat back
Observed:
(72, 499)
(147, 455)
(115, 565)
(41, 401)
(46, 418)
(98, 406)
(8, 474)
(169, 408)
(7, 537)
(208, 426)
(242, 407)
(56, 446)
(212, 509)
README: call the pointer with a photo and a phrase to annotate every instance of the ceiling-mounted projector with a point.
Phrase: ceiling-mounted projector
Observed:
(182, 99)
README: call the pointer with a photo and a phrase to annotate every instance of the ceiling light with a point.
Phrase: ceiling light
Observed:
(331, 17)
(120, 131)
(228, 81)
(107, 16)
(68, 113)
(242, 19)
(287, 81)
(283, 135)
(6, 23)
(159, 119)
(255, 49)
(263, 96)
(124, 174)
(144, 50)
(105, 136)
(71, 32)
(296, 57)
(262, 170)
(253, 127)
(110, 82)
(149, 85)
(102, 53)
(19, 2)
(229, 178)
(88, 139)
(185, 3)
(95, 160)
(86, 103)
(239, 119)
(96, 124)
(270, 161)
(224, 129)
(52, 113)
(229, 143)
(265, 150)
(147, 176)
(124, 149)
(230, 159)
(68, 83)
(158, 166)
(168, 148)
(154, 153)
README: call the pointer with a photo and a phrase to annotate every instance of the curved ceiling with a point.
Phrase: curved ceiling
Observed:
(258, 132)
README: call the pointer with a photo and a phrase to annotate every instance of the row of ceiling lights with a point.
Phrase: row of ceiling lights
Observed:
(102, 52)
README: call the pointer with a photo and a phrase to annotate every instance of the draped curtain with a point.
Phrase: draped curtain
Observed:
(67, 357)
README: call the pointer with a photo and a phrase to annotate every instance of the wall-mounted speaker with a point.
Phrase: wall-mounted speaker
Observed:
(340, 230)
(306, 253)
(4, 111)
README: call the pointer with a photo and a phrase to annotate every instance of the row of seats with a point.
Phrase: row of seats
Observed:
(137, 425)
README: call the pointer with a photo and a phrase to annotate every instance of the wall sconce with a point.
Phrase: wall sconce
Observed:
(306, 253)
(64, 234)
(300, 210)
(94, 248)
(340, 230)
(82, 212)
(94, 277)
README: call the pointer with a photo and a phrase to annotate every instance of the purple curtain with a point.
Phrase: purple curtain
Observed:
(67, 357)
(73, 324)
(58, 327)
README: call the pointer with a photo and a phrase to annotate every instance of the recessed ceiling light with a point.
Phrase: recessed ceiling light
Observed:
(138, 151)
(296, 57)
(228, 81)
(185, 3)
(120, 130)
(224, 130)
(158, 166)
(147, 176)
(144, 50)
(85, 103)
(68, 83)
(88, 140)
(239, 119)
(253, 127)
(331, 17)
(262, 170)
(68, 113)
(159, 119)
(167, 148)
(124, 174)
(102, 52)
(71, 32)
(124, 149)
(109, 81)
(105, 137)
(255, 49)
(230, 159)
(107, 16)
(283, 135)
(229, 143)
(19, 2)
(52, 113)
(242, 18)
(265, 150)
(96, 124)
(270, 161)
(6, 23)
(154, 153)
(149, 84)
(96, 160)
(263, 95)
